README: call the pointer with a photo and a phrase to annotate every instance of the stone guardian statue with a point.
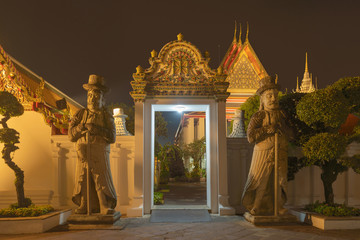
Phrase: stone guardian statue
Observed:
(93, 130)
(258, 195)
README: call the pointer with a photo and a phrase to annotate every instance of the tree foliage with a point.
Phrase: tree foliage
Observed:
(250, 107)
(324, 108)
(350, 88)
(171, 162)
(324, 147)
(10, 107)
(325, 111)
(196, 150)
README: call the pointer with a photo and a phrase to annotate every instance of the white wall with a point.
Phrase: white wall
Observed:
(121, 163)
(307, 186)
(33, 157)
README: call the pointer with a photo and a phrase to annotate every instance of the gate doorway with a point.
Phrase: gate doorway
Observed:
(179, 75)
(180, 169)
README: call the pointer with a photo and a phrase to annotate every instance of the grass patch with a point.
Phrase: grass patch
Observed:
(31, 211)
(158, 198)
(332, 210)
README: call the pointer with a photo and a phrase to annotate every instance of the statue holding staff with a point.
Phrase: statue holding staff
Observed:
(93, 130)
(258, 196)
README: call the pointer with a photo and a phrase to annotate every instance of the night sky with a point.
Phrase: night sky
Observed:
(65, 41)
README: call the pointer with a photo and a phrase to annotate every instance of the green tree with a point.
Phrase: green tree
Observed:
(250, 107)
(324, 111)
(196, 151)
(10, 107)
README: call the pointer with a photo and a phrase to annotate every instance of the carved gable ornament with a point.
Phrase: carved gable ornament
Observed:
(179, 70)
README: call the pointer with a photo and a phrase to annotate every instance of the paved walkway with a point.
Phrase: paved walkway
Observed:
(183, 193)
(231, 227)
(220, 227)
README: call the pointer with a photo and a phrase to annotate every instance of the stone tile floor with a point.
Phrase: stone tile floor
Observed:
(221, 227)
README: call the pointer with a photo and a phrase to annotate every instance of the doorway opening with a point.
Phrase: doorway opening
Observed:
(181, 160)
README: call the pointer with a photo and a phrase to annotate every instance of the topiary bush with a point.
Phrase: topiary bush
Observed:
(31, 211)
(332, 210)
(11, 107)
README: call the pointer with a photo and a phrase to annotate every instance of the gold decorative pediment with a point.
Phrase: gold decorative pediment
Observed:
(179, 69)
(243, 75)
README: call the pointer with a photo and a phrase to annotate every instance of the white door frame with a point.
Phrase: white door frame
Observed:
(210, 108)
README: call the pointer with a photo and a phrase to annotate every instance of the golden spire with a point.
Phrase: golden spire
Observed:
(316, 83)
(276, 78)
(306, 63)
(235, 33)
(247, 32)
(240, 35)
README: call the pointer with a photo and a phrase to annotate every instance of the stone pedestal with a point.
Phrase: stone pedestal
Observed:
(95, 218)
(270, 220)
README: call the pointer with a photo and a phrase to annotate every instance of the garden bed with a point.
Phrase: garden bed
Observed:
(326, 222)
(43, 223)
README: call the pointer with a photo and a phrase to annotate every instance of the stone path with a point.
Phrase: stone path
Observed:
(231, 227)
(182, 193)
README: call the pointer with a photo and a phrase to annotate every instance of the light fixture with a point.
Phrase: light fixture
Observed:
(180, 108)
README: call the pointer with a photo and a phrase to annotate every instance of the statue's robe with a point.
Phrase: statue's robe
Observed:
(99, 155)
(260, 182)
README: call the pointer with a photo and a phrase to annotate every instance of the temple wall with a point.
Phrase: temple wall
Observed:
(33, 157)
(307, 186)
(239, 159)
(50, 173)
(121, 162)
(49, 164)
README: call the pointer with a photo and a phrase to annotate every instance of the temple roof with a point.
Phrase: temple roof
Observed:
(35, 94)
(242, 65)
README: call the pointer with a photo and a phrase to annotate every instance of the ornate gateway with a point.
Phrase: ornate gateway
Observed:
(179, 70)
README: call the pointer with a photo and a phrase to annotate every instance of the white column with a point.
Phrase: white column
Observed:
(136, 206)
(224, 207)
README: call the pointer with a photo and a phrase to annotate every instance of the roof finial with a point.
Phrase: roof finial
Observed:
(153, 53)
(316, 87)
(235, 33)
(240, 35)
(276, 78)
(247, 32)
(180, 37)
(306, 63)
(297, 84)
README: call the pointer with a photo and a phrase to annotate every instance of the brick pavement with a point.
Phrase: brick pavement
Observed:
(230, 227)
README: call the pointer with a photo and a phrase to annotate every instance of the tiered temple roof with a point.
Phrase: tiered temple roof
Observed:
(35, 94)
(306, 83)
(244, 71)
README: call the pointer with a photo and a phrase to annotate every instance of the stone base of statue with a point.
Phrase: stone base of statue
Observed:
(94, 219)
(270, 220)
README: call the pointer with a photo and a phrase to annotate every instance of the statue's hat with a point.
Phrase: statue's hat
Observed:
(96, 82)
(266, 83)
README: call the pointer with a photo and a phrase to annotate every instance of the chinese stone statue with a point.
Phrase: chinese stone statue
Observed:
(258, 195)
(93, 130)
